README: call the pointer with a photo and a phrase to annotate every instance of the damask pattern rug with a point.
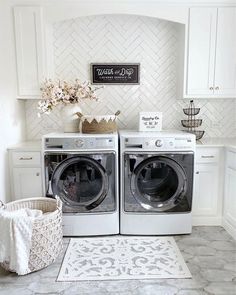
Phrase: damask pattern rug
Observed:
(122, 258)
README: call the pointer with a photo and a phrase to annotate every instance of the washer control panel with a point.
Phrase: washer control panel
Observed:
(79, 143)
(154, 143)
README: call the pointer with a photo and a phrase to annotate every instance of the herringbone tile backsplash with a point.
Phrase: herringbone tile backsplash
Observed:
(121, 38)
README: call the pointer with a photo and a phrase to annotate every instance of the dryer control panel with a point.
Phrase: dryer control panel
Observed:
(158, 143)
(155, 143)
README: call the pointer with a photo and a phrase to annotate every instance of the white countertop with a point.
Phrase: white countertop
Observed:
(217, 142)
(27, 146)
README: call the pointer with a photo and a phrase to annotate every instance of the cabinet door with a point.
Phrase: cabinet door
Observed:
(27, 183)
(230, 197)
(29, 50)
(205, 198)
(225, 67)
(201, 52)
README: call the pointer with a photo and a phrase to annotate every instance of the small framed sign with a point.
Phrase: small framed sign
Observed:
(124, 73)
(150, 121)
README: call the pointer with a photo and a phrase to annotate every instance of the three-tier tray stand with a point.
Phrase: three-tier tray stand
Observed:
(192, 123)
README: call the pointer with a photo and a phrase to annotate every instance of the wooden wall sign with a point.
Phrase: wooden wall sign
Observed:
(115, 73)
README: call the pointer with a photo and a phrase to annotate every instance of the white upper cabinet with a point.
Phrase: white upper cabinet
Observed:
(211, 53)
(201, 48)
(30, 47)
(225, 64)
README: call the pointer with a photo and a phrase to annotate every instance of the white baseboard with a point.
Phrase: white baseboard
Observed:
(206, 220)
(229, 228)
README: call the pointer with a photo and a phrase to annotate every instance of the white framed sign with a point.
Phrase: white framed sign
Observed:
(150, 121)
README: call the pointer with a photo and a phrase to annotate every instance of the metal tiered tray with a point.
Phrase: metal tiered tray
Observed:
(191, 123)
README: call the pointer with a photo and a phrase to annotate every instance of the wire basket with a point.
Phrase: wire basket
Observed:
(191, 123)
(198, 133)
(193, 111)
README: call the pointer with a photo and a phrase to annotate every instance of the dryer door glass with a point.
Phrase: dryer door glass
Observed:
(80, 182)
(158, 183)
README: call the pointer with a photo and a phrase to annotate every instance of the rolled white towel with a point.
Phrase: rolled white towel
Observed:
(33, 212)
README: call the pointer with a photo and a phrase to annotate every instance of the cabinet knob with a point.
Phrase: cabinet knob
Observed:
(211, 88)
(197, 172)
(37, 174)
(217, 88)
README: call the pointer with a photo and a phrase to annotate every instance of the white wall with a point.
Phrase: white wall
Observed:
(12, 115)
(128, 38)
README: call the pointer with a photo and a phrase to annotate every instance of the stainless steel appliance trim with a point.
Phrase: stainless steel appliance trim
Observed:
(158, 152)
(78, 152)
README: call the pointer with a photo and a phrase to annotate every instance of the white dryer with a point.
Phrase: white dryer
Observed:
(82, 170)
(156, 177)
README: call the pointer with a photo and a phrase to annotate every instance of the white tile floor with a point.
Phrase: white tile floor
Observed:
(210, 253)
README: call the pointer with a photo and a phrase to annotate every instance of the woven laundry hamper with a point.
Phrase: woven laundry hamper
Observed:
(46, 241)
(98, 124)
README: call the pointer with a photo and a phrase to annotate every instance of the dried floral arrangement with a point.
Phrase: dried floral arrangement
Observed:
(63, 92)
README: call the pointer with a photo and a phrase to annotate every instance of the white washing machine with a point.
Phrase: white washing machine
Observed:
(82, 170)
(156, 178)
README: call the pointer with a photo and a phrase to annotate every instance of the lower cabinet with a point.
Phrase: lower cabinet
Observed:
(27, 183)
(25, 174)
(208, 187)
(229, 213)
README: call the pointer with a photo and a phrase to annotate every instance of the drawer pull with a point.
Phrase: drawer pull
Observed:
(207, 157)
(197, 172)
(37, 174)
(26, 159)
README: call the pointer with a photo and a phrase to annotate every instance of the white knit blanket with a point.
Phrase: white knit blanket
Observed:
(15, 238)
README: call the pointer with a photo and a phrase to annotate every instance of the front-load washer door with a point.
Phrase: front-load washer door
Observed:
(81, 182)
(158, 183)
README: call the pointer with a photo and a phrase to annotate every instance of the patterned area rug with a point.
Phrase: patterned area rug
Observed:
(122, 258)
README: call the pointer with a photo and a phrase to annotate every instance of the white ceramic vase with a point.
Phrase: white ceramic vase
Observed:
(69, 118)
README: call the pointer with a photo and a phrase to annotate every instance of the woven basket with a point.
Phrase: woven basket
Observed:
(46, 241)
(98, 124)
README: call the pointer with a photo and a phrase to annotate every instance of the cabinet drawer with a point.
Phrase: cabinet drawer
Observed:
(26, 159)
(207, 155)
(231, 160)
